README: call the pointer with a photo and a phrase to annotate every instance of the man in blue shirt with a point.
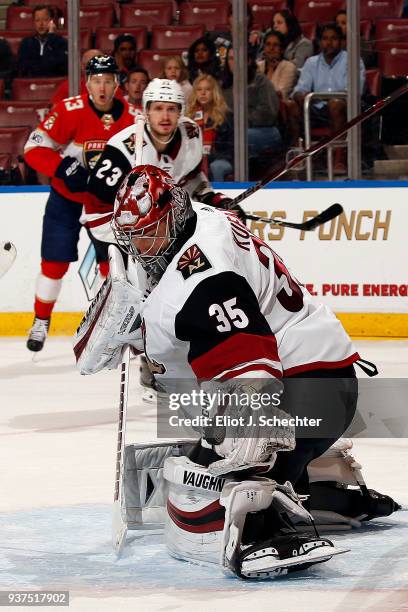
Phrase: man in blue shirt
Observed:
(324, 72)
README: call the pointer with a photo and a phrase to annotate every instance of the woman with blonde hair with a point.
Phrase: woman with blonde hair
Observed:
(174, 69)
(208, 108)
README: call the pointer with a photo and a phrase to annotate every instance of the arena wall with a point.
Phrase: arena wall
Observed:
(357, 264)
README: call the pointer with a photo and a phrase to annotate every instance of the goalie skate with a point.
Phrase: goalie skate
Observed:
(284, 554)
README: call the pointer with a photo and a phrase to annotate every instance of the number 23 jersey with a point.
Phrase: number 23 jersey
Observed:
(228, 306)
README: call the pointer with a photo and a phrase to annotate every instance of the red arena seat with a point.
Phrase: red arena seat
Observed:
(14, 38)
(262, 10)
(393, 30)
(1, 88)
(19, 18)
(147, 14)
(85, 38)
(393, 59)
(105, 37)
(13, 139)
(152, 59)
(92, 17)
(209, 13)
(319, 11)
(309, 29)
(15, 114)
(35, 89)
(377, 9)
(171, 37)
(373, 81)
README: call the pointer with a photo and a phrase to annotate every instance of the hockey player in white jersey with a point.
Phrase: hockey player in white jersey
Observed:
(217, 305)
(172, 142)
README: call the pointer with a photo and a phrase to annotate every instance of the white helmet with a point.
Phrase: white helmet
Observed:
(163, 90)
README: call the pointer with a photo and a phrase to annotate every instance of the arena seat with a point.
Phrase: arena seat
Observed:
(392, 30)
(40, 89)
(309, 29)
(14, 38)
(319, 11)
(105, 37)
(92, 17)
(147, 14)
(85, 38)
(170, 37)
(393, 59)
(14, 114)
(19, 18)
(61, 5)
(262, 10)
(13, 139)
(208, 13)
(152, 59)
(1, 88)
(373, 82)
(377, 9)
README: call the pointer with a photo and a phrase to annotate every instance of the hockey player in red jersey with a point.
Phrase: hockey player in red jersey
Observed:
(219, 307)
(66, 147)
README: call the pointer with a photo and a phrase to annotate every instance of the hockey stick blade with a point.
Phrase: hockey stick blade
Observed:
(326, 215)
(119, 529)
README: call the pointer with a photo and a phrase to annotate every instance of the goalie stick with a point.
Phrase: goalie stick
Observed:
(326, 215)
(119, 522)
(281, 169)
(8, 253)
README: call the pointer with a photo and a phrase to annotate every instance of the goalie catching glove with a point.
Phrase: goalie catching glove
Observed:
(111, 322)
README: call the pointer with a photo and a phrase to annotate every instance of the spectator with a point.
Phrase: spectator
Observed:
(63, 90)
(367, 47)
(281, 73)
(209, 110)
(45, 54)
(203, 59)
(7, 64)
(298, 47)
(124, 52)
(135, 84)
(263, 111)
(324, 72)
(174, 69)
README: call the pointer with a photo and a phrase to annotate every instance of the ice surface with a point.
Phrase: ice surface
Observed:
(58, 433)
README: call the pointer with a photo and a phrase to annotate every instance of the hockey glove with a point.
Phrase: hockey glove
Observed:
(219, 200)
(73, 174)
(111, 322)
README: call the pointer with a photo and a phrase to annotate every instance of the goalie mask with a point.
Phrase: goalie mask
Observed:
(150, 215)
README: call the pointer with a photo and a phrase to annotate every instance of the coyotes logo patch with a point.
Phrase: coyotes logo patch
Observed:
(130, 144)
(193, 260)
(92, 151)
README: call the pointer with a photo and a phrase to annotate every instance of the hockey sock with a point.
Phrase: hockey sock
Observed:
(48, 286)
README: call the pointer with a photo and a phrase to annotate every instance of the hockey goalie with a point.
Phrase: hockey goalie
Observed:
(214, 304)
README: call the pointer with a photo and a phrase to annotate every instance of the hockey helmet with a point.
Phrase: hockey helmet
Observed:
(101, 64)
(150, 213)
(163, 90)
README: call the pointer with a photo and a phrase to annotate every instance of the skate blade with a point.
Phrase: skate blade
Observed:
(36, 357)
(269, 565)
(149, 396)
(119, 529)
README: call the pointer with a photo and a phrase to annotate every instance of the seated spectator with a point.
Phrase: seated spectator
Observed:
(281, 73)
(174, 69)
(298, 47)
(367, 47)
(203, 59)
(263, 110)
(135, 84)
(63, 90)
(124, 52)
(208, 109)
(45, 54)
(324, 72)
(7, 63)
(223, 39)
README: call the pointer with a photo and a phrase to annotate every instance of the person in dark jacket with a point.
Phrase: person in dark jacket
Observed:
(45, 54)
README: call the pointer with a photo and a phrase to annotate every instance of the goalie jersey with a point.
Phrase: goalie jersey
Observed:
(227, 306)
(181, 159)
